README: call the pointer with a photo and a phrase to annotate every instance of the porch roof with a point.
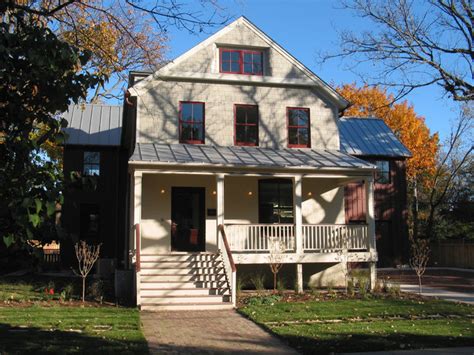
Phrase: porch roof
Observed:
(207, 155)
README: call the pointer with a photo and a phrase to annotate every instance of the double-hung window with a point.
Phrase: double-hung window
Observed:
(298, 127)
(91, 165)
(237, 61)
(382, 175)
(191, 122)
(246, 125)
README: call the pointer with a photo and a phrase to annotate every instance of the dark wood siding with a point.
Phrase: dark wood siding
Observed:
(108, 198)
(390, 212)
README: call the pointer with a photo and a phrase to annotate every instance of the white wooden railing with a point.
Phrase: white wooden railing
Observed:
(256, 237)
(334, 237)
(321, 238)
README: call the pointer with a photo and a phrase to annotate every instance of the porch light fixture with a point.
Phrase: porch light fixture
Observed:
(214, 192)
(250, 193)
(310, 193)
(162, 191)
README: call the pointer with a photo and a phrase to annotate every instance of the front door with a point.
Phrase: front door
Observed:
(188, 219)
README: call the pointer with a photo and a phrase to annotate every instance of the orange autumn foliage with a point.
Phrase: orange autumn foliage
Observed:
(401, 117)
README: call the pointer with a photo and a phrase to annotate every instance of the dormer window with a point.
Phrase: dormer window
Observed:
(237, 61)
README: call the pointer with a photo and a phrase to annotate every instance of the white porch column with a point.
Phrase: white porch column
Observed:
(298, 201)
(220, 203)
(370, 220)
(137, 216)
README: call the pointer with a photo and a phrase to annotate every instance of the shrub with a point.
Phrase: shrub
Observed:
(281, 284)
(67, 292)
(96, 290)
(260, 301)
(258, 281)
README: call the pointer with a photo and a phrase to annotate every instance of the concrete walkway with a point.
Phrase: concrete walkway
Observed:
(463, 297)
(207, 332)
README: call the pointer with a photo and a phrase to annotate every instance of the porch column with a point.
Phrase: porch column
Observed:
(137, 216)
(220, 203)
(298, 201)
(370, 220)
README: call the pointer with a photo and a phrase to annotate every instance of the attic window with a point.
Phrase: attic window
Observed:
(236, 61)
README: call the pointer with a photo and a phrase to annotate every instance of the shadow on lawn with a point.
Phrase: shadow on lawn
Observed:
(22, 340)
(340, 343)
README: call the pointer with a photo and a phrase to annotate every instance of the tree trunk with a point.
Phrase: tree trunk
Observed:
(415, 209)
(419, 284)
(83, 289)
(274, 281)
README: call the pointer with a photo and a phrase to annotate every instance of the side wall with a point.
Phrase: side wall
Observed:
(108, 196)
(390, 213)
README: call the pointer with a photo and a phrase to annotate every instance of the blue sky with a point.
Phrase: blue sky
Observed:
(305, 27)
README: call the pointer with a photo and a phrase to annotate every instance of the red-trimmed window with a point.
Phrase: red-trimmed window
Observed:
(191, 122)
(298, 127)
(237, 61)
(246, 125)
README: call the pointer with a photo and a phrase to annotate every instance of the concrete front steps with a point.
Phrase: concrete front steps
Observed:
(183, 281)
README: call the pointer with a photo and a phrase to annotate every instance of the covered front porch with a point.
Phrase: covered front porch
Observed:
(240, 212)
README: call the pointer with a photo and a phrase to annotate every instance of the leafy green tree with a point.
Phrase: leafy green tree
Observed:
(40, 75)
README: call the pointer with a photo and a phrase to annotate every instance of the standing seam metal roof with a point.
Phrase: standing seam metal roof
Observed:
(369, 136)
(93, 124)
(245, 156)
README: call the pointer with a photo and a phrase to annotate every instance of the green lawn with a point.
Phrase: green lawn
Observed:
(346, 325)
(32, 321)
(60, 329)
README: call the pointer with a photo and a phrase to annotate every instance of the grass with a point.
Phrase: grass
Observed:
(376, 324)
(60, 329)
(32, 321)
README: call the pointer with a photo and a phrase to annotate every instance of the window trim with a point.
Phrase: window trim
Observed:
(288, 109)
(192, 141)
(241, 60)
(246, 144)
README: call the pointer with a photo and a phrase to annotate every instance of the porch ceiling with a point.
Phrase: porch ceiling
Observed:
(207, 155)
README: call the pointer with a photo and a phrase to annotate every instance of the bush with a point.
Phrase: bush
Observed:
(96, 290)
(258, 281)
(262, 301)
(67, 292)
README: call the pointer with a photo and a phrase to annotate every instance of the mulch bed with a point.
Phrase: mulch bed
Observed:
(451, 280)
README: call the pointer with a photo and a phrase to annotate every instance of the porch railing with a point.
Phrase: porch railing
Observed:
(334, 237)
(323, 238)
(256, 237)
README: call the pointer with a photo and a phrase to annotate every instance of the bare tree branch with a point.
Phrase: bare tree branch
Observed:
(413, 45)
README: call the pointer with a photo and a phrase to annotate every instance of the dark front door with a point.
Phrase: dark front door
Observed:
(188, 219)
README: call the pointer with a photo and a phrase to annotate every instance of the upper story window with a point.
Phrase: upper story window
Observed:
(382, 175)
(246, 125)
(238, 61)
(298, 127)
(91, 164)
(191, 122)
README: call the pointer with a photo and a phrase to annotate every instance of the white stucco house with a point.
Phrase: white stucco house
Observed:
(237, 149)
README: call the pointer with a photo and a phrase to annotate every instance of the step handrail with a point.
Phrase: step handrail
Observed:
(229, 263)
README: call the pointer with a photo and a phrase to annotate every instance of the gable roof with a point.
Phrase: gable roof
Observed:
(237, 156)
(369, 136)
(339, 100)
(93, 124)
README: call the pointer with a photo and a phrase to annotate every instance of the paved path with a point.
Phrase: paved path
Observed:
(445, 351)
(464, 297)
(207, 332)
